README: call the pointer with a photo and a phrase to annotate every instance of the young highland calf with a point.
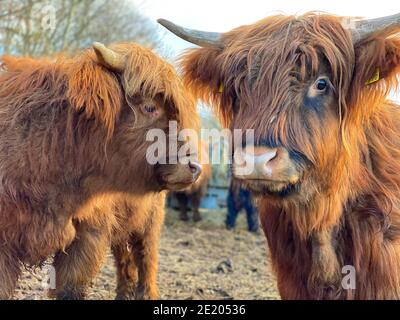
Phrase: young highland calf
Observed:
(74, 174)
(326, 159)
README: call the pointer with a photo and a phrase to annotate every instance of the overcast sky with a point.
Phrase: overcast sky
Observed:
(223, 15)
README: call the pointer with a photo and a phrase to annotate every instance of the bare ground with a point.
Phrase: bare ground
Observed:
(197, 261)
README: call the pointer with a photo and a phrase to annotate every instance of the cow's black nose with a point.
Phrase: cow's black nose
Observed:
(195, 169)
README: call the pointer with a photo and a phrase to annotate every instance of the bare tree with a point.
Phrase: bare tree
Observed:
(44, 27)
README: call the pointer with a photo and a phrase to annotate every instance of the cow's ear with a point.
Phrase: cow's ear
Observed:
(202, 71)
(377, 61)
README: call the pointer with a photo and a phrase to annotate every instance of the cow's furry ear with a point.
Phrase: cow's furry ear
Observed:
(202, 71)
(377, 59)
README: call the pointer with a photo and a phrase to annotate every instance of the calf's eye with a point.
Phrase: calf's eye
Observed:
(150, 108)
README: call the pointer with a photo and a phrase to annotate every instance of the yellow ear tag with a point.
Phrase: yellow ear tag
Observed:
(221, 88)
(375, 77)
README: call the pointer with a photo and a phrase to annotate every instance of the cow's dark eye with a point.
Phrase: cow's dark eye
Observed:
(321, 84)
(150, 108)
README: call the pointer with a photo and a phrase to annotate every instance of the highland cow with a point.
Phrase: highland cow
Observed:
(326, 156)
(74, 173)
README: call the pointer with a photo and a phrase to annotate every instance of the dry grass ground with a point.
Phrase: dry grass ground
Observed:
(197, 261)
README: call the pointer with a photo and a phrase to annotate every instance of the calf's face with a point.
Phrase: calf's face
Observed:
(153, 97)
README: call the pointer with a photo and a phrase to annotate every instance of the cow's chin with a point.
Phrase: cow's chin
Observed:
(175, 177)
(268, 188)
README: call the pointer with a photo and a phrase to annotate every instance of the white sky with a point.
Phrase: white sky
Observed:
(223, 15)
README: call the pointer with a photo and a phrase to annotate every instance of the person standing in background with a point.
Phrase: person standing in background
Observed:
(238, 199)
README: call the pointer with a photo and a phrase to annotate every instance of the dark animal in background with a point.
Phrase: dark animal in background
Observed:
(327, 143)
(191, 196)
(74, 174)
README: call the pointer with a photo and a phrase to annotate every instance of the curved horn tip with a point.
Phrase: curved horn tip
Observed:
(200, 38)
(168, 24)
(98, 45)
(162, 21)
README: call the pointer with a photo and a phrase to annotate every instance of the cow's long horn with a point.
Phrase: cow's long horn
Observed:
(109, 58)
(366, 27)
(201, 38)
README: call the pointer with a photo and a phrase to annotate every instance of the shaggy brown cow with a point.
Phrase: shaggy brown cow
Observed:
(327, 143)
(74, 174)
(196, 191)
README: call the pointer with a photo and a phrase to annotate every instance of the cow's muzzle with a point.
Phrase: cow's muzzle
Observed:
(265, 169)
(175, 177)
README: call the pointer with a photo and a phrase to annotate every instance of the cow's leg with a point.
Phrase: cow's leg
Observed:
(196, 198)
(78, 265)
(325, 274)
(127, 271)
(183, 205)
(10, 270)
(146, 254)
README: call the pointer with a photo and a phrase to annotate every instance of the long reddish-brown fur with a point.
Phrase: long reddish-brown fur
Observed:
(74, 177)
(349, 211)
